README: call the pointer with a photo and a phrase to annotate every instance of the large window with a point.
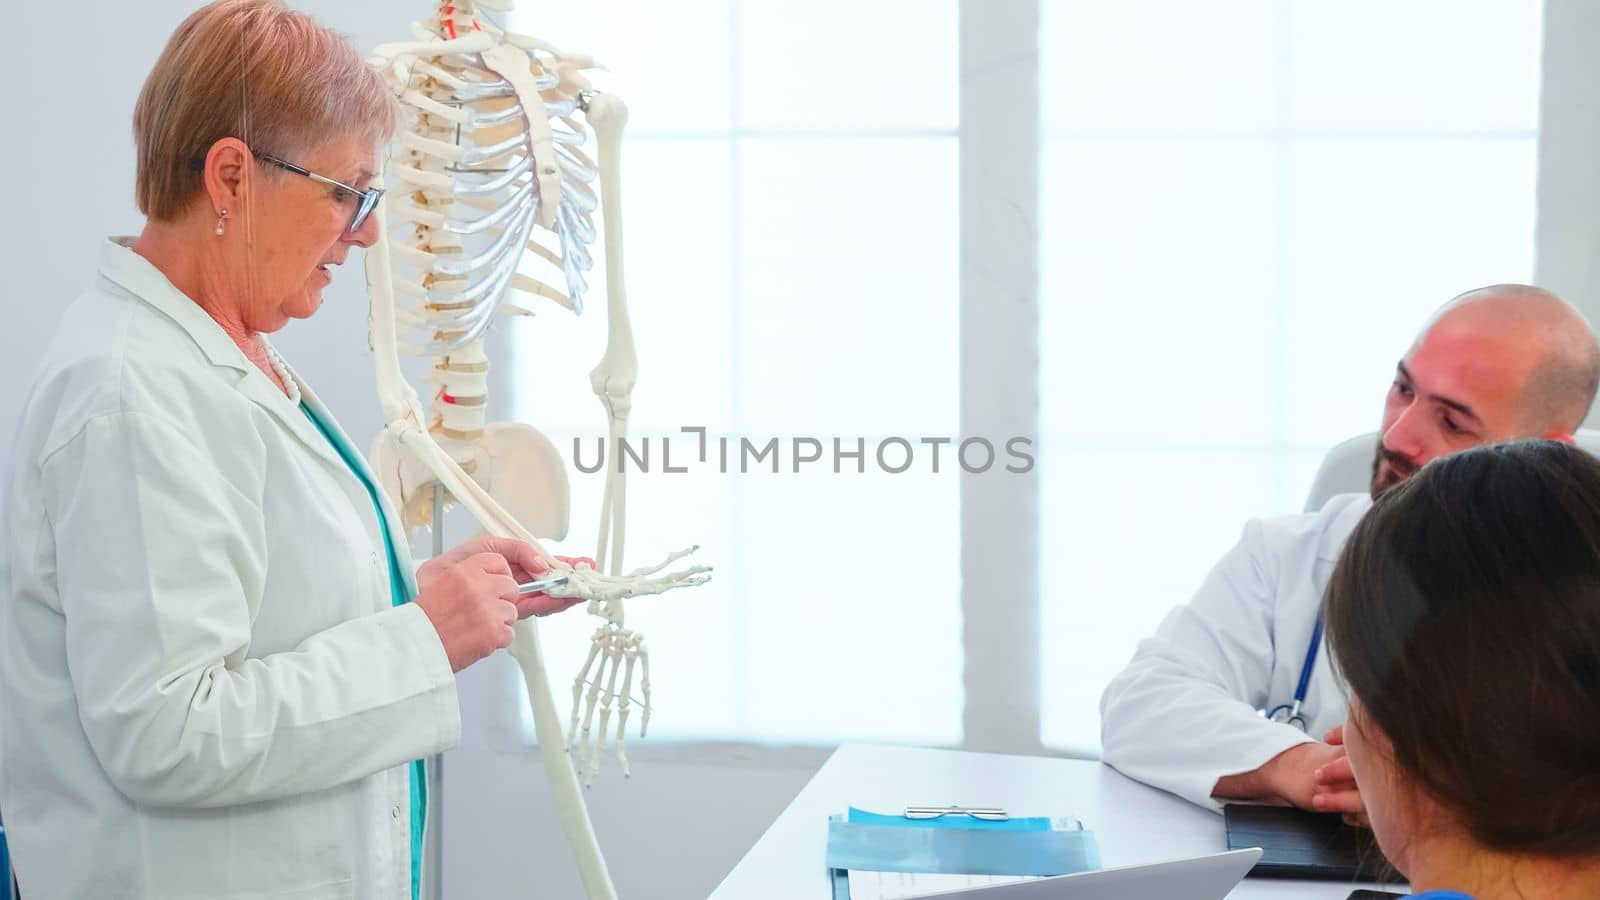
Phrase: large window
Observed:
(1248, 209)
(789, 184)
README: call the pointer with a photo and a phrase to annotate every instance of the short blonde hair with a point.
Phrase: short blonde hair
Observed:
(253, 70)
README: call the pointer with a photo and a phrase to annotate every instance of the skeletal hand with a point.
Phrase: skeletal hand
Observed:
(612, 647)
(541, 603)
(614, 652)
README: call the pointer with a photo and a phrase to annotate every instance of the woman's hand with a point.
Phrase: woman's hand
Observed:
(472, 604)
(524, 563)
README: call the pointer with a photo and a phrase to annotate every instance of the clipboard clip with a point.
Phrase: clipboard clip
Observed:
(986, 813)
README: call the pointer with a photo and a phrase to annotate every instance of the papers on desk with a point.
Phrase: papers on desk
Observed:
(892, 856)
(907, 885)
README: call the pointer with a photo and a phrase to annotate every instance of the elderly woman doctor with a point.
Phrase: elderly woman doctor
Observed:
(216, 666)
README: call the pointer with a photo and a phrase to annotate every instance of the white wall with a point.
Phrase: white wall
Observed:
(690, 812)
(70, 165)
(1568, 239)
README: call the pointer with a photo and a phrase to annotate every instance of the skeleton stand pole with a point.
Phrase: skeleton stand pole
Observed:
(433, 838)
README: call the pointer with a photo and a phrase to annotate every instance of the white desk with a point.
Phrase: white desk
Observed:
(1132, 823)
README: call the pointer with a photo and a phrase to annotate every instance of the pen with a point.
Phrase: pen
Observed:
(533, 587)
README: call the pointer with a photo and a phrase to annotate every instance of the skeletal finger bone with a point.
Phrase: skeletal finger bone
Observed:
(615, 652)
(626, 700)
(644, 685)
(596, 644)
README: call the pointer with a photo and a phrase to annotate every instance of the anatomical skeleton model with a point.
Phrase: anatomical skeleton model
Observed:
(489, 163)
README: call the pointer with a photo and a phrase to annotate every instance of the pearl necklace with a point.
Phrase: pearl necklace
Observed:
(282, 369)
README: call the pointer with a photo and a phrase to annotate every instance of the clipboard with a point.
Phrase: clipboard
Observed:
(955, 840)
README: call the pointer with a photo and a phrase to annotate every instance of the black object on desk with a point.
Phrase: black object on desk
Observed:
(1300, 844)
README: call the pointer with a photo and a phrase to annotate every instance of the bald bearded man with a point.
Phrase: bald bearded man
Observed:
(1494, 364)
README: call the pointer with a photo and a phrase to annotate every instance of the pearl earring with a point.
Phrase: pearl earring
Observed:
(221, 219)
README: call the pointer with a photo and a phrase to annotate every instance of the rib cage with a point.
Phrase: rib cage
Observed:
(465, 204)
(457, 176)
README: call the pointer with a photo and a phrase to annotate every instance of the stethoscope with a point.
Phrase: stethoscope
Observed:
(1289, 713)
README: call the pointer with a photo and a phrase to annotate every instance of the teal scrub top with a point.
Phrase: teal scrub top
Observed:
(398, 594)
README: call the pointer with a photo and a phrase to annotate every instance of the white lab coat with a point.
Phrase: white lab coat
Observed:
(1184, 711)
(206, 692)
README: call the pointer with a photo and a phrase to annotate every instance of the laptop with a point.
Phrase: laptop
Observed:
(1205, 878)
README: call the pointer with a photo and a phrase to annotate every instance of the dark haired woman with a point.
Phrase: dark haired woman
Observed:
(1465, 616)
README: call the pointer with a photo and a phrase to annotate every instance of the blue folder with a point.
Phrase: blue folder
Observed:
(955, 844)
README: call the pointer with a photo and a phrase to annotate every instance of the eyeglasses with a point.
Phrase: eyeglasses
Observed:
(368, 198)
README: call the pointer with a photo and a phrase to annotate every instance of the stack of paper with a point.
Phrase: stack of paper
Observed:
(907, 885)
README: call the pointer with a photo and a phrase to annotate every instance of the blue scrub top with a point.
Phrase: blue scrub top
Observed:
(398, 594)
